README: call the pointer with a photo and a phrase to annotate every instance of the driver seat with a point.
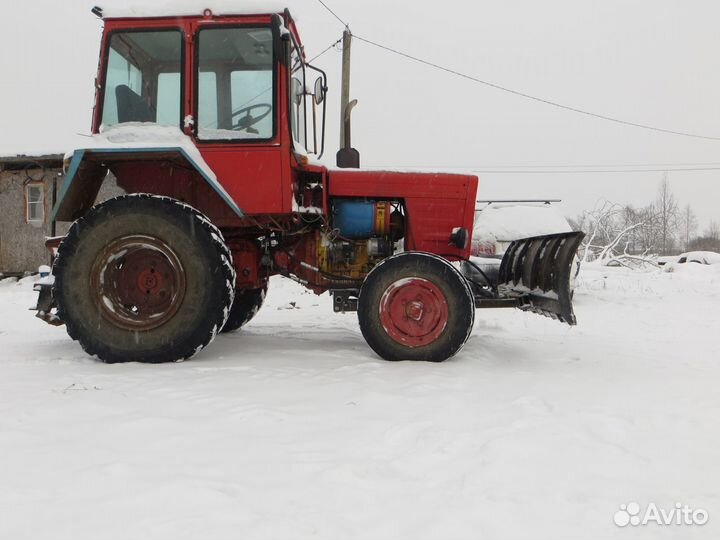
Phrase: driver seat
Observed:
(131, 107)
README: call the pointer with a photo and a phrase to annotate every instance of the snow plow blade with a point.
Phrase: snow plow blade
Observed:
(537, 272)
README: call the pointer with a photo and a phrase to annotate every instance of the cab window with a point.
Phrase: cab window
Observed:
(142, 79)
(235, 84)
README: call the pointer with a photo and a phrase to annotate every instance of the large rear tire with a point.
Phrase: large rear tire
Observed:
(416, 306)
(245, 306)
(143, 278)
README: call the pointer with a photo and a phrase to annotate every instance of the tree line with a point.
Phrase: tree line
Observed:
(662, 227)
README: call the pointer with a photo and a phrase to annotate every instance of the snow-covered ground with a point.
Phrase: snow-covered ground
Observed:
(292, 428)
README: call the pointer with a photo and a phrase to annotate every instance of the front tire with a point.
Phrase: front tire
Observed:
(416, 306)
(143, 279)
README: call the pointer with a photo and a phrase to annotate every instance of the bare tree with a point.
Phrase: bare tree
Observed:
(630, 216)
(713, 231)
(689, 224)
(649, 235)
(610, 228)
(666, 207)
(599, 225)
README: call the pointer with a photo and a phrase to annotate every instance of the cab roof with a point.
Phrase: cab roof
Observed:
(136, 9)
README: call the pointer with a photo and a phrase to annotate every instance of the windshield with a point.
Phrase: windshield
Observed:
(235, 84)
(143, 78)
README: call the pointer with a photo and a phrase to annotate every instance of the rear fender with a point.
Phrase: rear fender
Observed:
(89, 168)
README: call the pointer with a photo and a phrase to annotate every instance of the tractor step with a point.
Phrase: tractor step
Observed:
(537, 271)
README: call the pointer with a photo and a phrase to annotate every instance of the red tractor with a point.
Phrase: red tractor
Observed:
(208, 122)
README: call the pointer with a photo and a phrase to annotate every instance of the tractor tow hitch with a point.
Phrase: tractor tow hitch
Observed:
(45, 308)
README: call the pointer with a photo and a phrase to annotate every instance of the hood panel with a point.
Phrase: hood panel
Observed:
(355, 183)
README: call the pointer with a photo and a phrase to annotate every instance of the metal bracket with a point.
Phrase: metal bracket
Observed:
(345, 300)
(46, 309)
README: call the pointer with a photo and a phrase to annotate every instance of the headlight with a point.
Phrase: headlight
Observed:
(459, 237)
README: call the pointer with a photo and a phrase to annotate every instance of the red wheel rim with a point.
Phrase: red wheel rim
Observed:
(138, 282)
(414, 311)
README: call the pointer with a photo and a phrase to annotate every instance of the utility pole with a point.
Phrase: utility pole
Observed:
(347, 157)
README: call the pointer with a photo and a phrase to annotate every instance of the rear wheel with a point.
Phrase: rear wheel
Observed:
(143, 278)
(245, 306)
(416, 306)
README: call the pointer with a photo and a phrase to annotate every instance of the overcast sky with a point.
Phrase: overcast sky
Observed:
(653, 62)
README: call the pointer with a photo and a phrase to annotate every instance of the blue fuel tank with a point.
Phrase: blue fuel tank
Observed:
(358, 219)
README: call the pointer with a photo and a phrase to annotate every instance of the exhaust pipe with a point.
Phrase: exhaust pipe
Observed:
(347, 157)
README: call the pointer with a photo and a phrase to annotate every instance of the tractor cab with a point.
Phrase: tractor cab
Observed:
(218, 79)
(234, 91)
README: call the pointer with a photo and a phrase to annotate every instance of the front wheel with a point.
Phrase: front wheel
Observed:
(416, 306)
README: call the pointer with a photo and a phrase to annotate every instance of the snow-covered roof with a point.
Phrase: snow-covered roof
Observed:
(181, 8)
(45, 144)
(22, 161)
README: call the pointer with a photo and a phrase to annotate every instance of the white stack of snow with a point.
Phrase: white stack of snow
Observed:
(690, 259)
(136, 135)
(505, 223)
(146, 135)
(293, 428)
(703, 257)
(164, 8)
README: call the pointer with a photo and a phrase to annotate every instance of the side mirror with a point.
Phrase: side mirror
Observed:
(319, 91)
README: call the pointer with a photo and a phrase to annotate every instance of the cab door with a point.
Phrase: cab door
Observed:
(235, 108)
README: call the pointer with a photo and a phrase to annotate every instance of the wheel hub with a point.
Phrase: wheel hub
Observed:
(138, 282)
(147, 280)
(414, 311)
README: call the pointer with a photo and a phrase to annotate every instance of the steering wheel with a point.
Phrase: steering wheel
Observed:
(247, 121)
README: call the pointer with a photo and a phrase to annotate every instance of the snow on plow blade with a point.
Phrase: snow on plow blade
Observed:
(537, 271)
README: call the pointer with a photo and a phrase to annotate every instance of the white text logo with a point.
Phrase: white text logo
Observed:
(680, 514)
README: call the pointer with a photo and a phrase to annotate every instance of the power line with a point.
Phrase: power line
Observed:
(587, 171)
(333, 13)
(541, 167)
(550, 171)
(324, 51)
(517, 92)
(531, 97)
(664, 166)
